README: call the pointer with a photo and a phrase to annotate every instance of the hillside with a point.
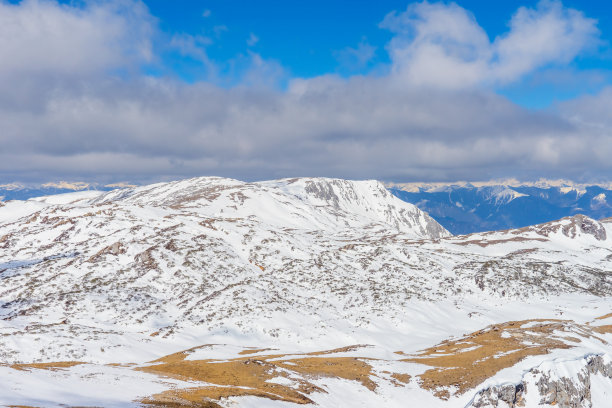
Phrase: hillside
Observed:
(292, 291)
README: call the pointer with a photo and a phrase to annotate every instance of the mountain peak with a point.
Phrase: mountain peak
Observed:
(76, 186)
(316, 202)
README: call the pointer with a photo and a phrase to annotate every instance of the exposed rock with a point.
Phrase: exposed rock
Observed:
(114, 249)
(146, 260)
(324, 191)
(565, 392)
(572, 226)
(597, 365)
(585, 225)
(549, 390)
(509, 394)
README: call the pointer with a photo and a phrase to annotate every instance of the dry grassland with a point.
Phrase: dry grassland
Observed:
(251, 376)
(54, 366)
(460, 365)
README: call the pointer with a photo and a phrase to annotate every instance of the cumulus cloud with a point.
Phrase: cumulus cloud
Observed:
(412, 124)
(42, 37)
(443, 45)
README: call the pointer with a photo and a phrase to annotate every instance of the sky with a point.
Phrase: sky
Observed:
(143, 91)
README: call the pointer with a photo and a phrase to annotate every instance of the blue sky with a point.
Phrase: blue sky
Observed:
(147, 90)
(312, 38)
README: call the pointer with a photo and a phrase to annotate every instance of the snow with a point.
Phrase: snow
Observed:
(566, 186)
(68, 198)
(601, 391)
(97, 386)
(295, 265)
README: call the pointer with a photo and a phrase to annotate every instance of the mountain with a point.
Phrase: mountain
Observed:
(464, 208)
(21, 192)
(214, 292)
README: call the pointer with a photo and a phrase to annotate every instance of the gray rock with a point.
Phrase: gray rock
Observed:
(507, 395)
(574, 392)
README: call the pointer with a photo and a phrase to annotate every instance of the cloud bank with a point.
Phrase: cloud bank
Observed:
(76, 103)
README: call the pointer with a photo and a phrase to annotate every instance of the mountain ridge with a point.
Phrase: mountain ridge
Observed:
(467, 208)
(297, 265)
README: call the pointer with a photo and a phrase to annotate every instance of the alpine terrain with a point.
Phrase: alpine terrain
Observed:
(213, 292)
(463, 207)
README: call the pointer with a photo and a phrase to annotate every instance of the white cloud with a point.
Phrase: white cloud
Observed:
(40, 37)
(65, 114)
(547, 34)
(443, 45)
(360, 128)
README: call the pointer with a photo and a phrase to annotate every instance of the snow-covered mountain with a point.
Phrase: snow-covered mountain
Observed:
(464, 208)
(216, 292)
(16, 191)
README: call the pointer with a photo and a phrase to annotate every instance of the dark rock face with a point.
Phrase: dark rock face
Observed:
(577, 224)
(587, 226)
(564, 392)
(510, 394)
(323, 190)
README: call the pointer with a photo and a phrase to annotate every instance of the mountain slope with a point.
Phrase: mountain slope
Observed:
(300, 266)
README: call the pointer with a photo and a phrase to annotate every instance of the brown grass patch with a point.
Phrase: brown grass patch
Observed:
(121, 364)
(53, 366)
(253, 351)
(465, 363)
(251, 376)
(603, 329)
(346, 349)
(348, 368)
(604, 316)
(402, 378)
(21, 406)
(173, 399)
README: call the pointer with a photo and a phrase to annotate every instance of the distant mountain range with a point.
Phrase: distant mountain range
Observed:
(24, 192)
(461, 207)
(464, 208)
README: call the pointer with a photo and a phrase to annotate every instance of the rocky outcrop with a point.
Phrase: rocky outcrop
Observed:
(565, 392)
(542, 387)
(573, 226)
(509, 394)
